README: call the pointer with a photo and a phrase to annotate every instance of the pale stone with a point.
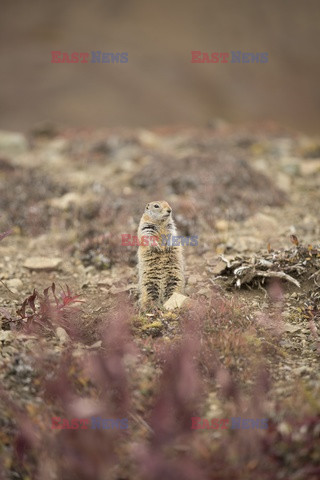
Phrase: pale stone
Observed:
(310, 167)
(105, 282)
(14, 284)
(12, 143)
(194, 279)
(284, 181)
(42, 263)
(6, 335)
(64, 202)
(292, 328)
(222, 225)
(204, 291)
(62, 335)
(175, 301)
(86, 407)
(219, 268)
(148, 139)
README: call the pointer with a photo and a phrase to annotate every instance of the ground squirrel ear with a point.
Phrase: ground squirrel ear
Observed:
(147, 206)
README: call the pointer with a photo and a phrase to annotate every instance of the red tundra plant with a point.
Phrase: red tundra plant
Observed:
(108, 368)
(42, 313)
(73, 385)
(176, 400)
(220, 351)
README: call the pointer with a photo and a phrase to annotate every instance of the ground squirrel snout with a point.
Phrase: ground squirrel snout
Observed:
(160, 266)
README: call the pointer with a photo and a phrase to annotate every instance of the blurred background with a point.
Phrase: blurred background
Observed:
(159, 85)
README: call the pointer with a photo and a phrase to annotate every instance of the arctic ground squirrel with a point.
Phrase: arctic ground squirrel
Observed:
(160, 265)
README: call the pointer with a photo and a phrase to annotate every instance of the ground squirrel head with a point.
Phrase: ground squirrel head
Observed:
(159, 211)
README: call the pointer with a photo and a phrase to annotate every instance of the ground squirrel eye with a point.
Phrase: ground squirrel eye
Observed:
(156, 206)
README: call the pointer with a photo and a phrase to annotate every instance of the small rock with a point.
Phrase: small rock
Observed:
(65, 202)
(222, 225)
(6, 335)
(97, 344)
(194, 279)
(284, 428)
(175, 301)
(284, 181)
(86, 407)
(42, 263)
(14, 284)
(105, 282)
(12, 143)
(219, 268)
(292, 328)
(204, 291)
(310, 167)
(62, 335)
(148, 139)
